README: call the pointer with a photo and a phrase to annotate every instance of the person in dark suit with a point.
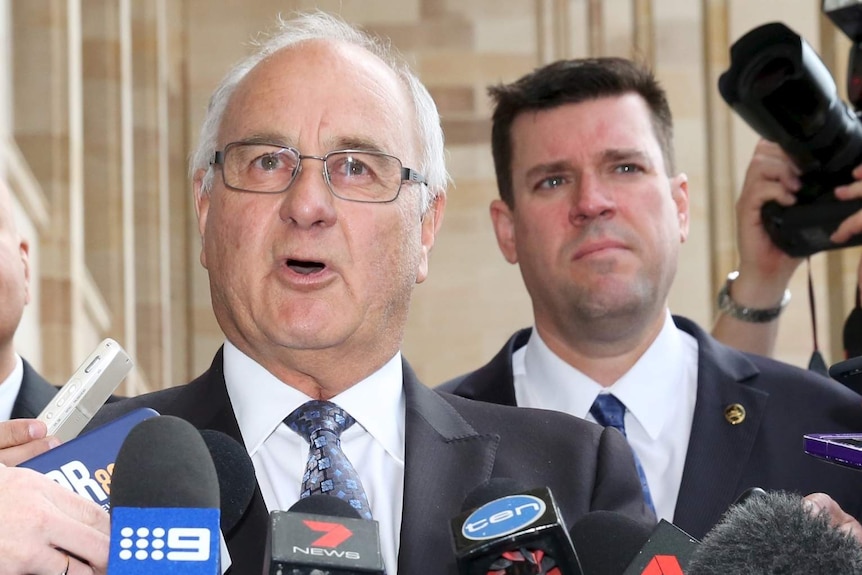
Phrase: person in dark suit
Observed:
(320, 187)
(39, 517)
(594, 213)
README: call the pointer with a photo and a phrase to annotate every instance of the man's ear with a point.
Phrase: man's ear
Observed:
(504, 228)
(202, 205)
(679, 193)
(431, 222)
(24, 250)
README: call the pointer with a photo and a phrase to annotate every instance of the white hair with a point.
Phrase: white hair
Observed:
(322, 26)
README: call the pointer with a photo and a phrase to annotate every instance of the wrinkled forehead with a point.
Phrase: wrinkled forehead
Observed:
(325, 91)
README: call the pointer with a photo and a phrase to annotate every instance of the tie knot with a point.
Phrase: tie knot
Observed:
(609, 412)
(314, 416)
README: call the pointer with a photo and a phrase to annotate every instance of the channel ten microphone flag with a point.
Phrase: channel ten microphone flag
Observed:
(322, 534)
(164, 502)
(520, 532)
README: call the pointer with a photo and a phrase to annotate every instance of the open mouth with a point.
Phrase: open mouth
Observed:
(305, 267)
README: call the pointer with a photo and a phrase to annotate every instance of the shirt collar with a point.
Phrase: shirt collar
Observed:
(9, 389)
(647, 389)
(261, 401)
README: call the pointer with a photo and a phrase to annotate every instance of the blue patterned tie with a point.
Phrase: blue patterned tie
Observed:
(328, 470)
(610, 412)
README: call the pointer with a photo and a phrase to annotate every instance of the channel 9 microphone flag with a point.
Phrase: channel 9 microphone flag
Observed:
(164, 502)
(520, 532)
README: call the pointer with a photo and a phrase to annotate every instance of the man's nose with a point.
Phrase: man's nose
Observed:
(309, 202)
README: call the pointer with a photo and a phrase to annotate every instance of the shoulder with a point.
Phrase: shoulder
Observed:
(487, 382)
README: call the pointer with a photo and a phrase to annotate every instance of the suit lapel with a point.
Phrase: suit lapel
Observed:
(718, 450)
(34, 395)
(445, 458)
(494, 382)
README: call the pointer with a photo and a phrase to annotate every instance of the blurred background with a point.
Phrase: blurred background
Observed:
(101, 102)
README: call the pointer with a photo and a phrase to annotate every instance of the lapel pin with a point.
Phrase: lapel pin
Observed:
(734, 413)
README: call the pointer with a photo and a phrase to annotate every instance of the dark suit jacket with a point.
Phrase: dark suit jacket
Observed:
(781, 404)
(452, 446)
(34, 395)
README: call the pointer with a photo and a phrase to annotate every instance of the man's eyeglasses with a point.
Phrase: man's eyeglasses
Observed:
(353, 175)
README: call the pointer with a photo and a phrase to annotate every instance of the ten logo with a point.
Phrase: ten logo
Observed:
(502, 517)
(181, 544)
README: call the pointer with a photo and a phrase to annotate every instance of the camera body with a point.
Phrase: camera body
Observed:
(779, 85)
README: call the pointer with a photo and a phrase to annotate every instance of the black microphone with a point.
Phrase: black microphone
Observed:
(607, 541)
(164, 502)
(236, 477)
(773, 533)
(322, 535)
(506, 530)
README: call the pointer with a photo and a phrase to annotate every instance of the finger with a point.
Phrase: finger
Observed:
(766, 191)
(77, 567)
(847, 229)
(12, 456)
(19, 431)
(849, 192)
(774, 168)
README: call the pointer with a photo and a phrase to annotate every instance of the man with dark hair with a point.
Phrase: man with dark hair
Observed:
(594, 214)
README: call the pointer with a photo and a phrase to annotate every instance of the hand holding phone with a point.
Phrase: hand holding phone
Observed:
(87, 390)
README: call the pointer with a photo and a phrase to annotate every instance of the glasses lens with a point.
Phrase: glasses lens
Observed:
(364, 176)
(259, 167)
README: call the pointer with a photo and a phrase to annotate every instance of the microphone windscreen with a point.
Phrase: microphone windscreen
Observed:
(773, 533)
(164, 462)
(236, 477)
(492, 489)
(321, 504)
(607, 541)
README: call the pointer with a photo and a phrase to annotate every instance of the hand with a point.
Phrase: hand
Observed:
(43, 524)
(852, 225)
(771, 176)
(21, 439)
(820, 502)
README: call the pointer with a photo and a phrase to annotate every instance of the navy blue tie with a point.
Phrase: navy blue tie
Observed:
(610, 412)
(328, 470)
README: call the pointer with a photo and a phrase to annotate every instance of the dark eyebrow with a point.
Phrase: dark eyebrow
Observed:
(615, 156)
(550, 168)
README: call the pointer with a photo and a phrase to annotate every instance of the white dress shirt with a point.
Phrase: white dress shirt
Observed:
(374, 444)
(659, 393)
(9, 389)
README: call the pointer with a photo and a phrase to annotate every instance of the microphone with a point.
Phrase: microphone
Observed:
(505, 530)
(322, 535)
(236, 477)
(609, 543)
(164, 502)
(773, 533)
(84, 464)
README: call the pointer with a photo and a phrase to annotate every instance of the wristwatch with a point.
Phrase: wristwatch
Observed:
(749, 314)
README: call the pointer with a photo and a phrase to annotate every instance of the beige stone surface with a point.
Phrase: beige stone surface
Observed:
(115, 154)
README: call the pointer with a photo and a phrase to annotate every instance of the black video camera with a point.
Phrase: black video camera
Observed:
(778, 84)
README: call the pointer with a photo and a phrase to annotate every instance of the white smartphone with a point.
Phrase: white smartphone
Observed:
(87, 390)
